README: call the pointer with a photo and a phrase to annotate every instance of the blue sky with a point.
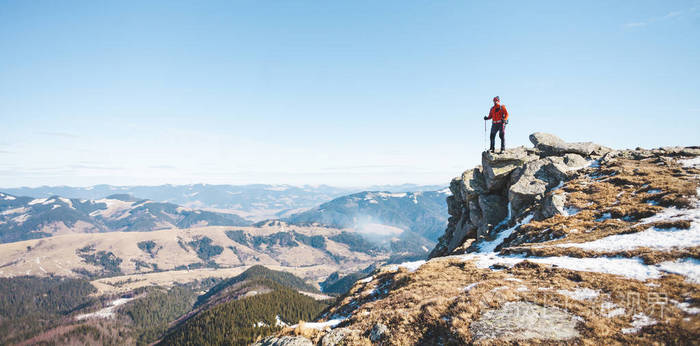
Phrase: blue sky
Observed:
(329, 92)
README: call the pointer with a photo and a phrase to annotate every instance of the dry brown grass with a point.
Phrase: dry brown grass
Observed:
(431, 305)
(624, 189)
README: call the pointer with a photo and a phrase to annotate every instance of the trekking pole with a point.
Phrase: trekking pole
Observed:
(486, 145)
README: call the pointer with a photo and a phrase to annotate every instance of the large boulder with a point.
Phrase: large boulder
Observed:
(497, 166)
(522, 321)
(567, 164)
(550, 144)
(338, 336)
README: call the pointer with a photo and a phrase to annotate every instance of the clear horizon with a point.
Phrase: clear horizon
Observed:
(342, 94)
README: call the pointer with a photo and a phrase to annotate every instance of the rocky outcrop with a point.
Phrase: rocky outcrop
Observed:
(507, 184)
(552, 145)
(561, 264)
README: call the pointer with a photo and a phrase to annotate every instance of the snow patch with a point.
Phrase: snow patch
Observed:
(411, 266)
(580, 293)
(107, 312)
(366, 280)
(490, 246)
(14, 211)
(67, 201)
(686, 307)
(639, 321)
(279, 322)
(37, 201)
(658, 239)
(21, 219)
(113, 206)
(694, 162)
(688, 267)
(470, 286)
(632, 268)
(323, 325)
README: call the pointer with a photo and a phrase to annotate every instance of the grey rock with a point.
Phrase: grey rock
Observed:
(497, 166)
(528, 185)
(610, 157)
(575, 161)
(454, 207)
(494, 209)
(473, 183)
(530, 182)
(456, 188)
(550, 144)
(463, 230)
(378, 332)
(553, 205)
(523, 321)
(337, 336)
(681, 151)
(285, 341)
(474, 212)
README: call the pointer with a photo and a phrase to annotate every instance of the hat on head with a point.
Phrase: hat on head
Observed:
(496, 99)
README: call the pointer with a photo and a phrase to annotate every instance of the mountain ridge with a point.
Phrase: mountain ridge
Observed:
(23, 218)
(560, 243)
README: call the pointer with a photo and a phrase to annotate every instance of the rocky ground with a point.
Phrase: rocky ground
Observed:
(568, 243)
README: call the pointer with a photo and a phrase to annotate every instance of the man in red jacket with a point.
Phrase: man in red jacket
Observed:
(499, 114)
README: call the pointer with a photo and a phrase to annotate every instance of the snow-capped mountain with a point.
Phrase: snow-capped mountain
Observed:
(24, 218)
(255, 202)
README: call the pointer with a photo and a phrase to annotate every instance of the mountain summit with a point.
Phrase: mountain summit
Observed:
(556, 243)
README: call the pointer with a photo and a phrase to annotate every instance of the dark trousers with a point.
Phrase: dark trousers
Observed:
(501, 129)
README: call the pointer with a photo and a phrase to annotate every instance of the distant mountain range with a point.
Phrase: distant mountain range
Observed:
(406, 221)
(254, 202)
(23, 218)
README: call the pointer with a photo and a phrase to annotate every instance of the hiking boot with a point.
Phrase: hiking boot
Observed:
(492, 150)
(502, 150)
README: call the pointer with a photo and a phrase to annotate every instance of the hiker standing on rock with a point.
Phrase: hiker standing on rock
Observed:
(499, 114)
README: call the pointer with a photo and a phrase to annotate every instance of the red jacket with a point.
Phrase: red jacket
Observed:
(498, 115)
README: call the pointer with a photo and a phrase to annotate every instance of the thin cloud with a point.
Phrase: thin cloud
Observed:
(59, 134)
(668, 16)
(93, 166)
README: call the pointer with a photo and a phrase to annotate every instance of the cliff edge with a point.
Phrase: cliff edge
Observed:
(570, 243)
